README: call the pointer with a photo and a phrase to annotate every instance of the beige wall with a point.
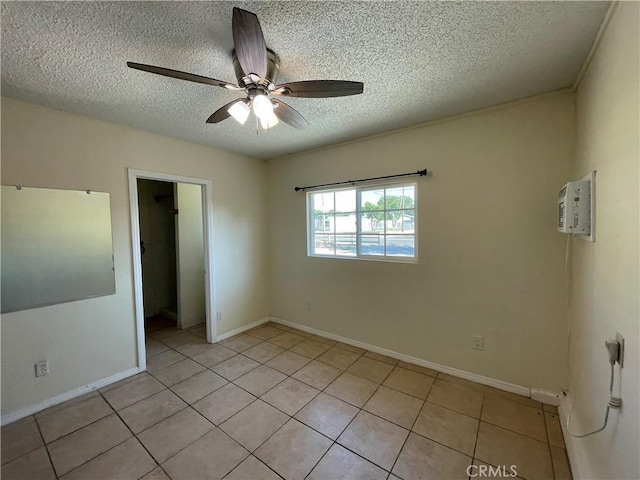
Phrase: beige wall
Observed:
(92, 339)
(491, 260)
(605, 291)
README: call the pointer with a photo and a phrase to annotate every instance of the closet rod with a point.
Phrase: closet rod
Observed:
(420, 173)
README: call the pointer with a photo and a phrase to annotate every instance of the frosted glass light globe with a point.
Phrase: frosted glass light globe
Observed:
(262, 107)
(269, 122)
(240, 111)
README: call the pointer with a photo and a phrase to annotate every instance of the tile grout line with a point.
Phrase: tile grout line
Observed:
(75, 401)
(241, 353)
(32, 450)
(297, 411)
(344, 430)
(546, 431)
(205, 367)
(415, 420)
(80, 428)
(142, 399)
(360, 410)
(424, 402)
(250, 393)
(360, 355)
(251, 455)
(334, 442)
(182, 449)
(191, 405)
(181, 410)
(156, 423)
(223, 432)
(513, 431)
(55, 472)
(486, 421)
(133, 434)
(475, 445)
(101, 453)
(292, 417)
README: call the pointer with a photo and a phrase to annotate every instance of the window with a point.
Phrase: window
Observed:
(375, 222)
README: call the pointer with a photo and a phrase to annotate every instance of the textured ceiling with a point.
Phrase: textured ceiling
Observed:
(418, 60)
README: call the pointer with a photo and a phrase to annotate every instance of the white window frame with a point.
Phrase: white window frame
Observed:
(359, 256)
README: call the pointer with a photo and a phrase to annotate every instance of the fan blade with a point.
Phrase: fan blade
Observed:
(289, 115)
(248, 39)
(167, 72)
(223, 112)
(319, 88)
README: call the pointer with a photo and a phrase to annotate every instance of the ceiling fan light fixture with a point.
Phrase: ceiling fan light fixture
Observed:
(250, 54)
(269, 121)
(262, 107)
(240, 111)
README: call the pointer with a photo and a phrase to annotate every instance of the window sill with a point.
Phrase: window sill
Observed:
(411, 261)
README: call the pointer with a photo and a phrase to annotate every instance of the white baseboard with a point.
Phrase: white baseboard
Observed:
(241, 329)
(492, 382)
(63, 397)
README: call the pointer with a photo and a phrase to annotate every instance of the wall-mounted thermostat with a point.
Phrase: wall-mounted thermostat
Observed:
(575, 208)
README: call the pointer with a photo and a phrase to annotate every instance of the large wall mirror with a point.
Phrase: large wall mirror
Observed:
(56, 247)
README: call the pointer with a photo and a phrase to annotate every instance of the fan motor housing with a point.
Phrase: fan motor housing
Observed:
(273, 67)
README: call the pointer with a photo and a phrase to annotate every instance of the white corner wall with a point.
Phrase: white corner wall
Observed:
(604, 282)
(491, 260)
(93, 339)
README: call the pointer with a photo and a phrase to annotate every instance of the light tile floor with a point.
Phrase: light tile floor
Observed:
(277, 402)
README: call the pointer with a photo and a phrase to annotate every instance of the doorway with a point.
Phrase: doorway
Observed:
(172, 254)
(158, 236)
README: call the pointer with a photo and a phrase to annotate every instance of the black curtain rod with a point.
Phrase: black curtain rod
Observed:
(421, 173)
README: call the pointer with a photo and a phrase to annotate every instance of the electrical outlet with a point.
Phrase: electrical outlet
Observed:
(219, 316)
(620, 340)
(478, 342)
(308, 305)
(42, 368)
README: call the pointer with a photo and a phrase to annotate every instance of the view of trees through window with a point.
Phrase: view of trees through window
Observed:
(363, 222)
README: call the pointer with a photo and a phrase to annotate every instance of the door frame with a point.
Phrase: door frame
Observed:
(209, 279)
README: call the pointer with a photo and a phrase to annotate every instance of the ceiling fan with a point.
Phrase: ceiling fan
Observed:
(256, 68)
